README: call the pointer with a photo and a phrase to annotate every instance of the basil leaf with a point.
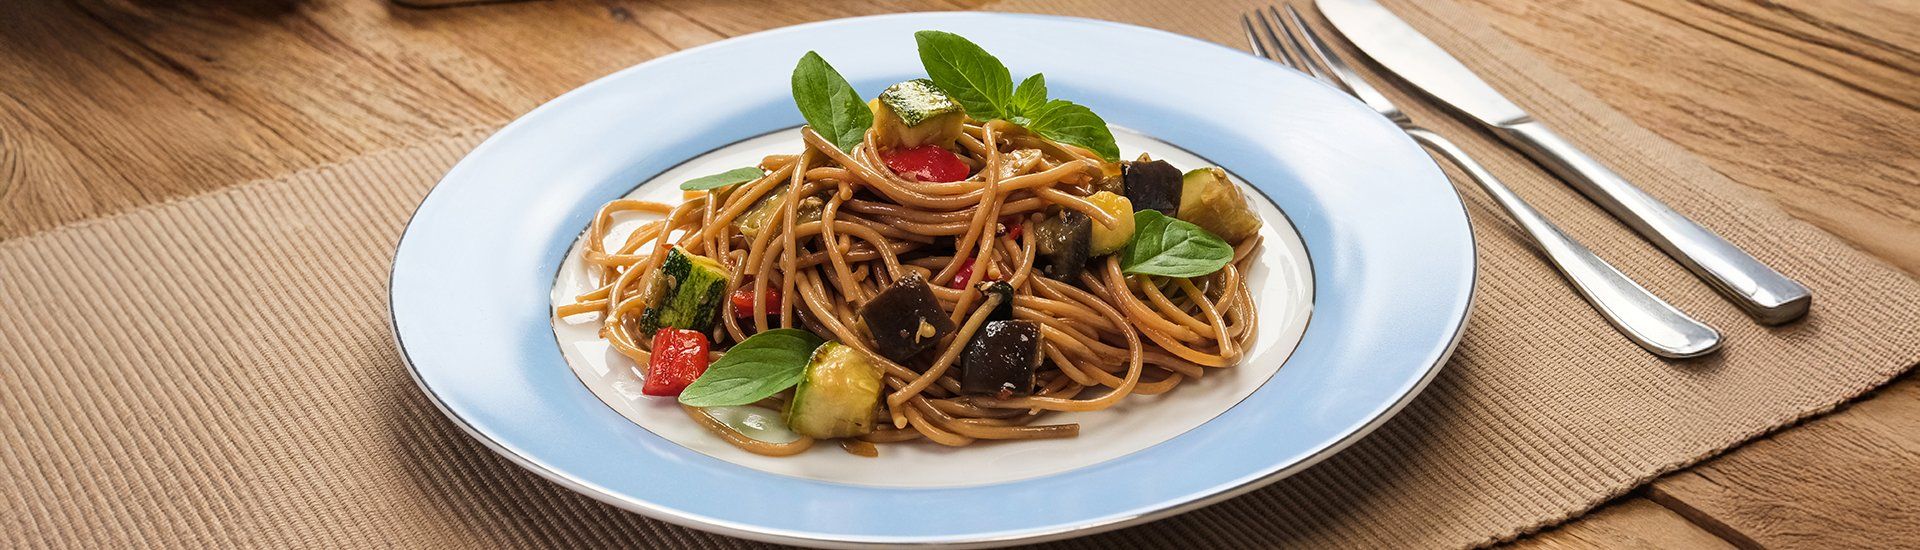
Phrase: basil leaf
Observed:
(968, 73)
(1173, 248)
(829, 104)
(1067, 122)
(723, 179)
(762, 365)
(1030, 96)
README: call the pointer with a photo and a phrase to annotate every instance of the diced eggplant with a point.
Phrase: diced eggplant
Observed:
(687, 293)
(767, 208)
(1153, 185)
(1107, 240)
(1112, 179)
(1004, 310)
(1065, 244)
(1210, 200)
(905, 318)
(1002, 359)
(838, 395)
(915, 113)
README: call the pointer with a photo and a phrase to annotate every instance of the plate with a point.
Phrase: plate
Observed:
(1370, 268)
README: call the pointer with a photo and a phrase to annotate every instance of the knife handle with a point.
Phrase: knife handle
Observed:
(1766, 295)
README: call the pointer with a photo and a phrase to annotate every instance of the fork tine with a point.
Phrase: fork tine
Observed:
(1298, 36)
(1253, 40)
(1291, 46)
(1278, 52)
(1343, 74)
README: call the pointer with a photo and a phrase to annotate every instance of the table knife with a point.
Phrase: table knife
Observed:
(1763, 293)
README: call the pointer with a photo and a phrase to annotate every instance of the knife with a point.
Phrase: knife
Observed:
(1766, 295)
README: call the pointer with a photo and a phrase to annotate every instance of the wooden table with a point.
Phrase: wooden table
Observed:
(107, 105)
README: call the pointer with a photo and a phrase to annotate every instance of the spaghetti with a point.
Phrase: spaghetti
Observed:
(1107, 334)
(971, 279)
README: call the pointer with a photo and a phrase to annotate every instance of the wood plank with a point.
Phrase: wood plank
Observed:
(1810, 102)
(99, 123)
(1864, 45)
(113, 104)
(1846, 71)
(1848, 480)
(1633, 522)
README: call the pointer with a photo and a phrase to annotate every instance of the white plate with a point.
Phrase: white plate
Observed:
(1391, 258)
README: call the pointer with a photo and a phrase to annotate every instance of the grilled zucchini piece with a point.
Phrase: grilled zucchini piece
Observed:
(764, 210)
(915, 113)
(689, 288)
(1210, 200)
(838, 396)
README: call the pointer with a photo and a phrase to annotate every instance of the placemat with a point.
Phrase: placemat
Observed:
(219, 370)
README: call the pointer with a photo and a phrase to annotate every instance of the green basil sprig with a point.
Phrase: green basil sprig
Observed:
(1172, 247)
(723, 179)
(967, 72)
(829, 104)
(983, 86)
(1066, 122)
(758, 367)
(1031, 95)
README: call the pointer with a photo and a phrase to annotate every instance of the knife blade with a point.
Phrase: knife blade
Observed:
(1762, 292)
(1402, 49)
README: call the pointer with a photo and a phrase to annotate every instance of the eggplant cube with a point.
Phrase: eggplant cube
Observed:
(1003, 311)
(1066, 243)
(1002, 359)
(905, 318)
(1153, 185)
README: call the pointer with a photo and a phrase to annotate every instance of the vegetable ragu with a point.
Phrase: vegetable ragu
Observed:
(953, 259)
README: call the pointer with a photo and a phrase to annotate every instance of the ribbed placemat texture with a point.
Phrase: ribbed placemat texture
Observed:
(219, 370)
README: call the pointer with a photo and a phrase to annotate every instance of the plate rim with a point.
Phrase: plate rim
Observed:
(1160, 510)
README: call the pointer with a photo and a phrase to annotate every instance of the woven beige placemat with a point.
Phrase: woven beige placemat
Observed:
(219, 371)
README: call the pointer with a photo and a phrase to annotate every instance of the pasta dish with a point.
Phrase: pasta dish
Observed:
(957, 259)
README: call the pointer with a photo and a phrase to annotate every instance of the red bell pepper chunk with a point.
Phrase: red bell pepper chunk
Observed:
(679, 357)
(927, 163)
(1012, 225)
(962, 276)
(742, 299)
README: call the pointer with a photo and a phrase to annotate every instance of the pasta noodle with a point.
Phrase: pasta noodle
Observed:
(1107, 334)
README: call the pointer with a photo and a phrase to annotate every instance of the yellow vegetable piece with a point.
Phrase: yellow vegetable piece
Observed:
(1107, 241)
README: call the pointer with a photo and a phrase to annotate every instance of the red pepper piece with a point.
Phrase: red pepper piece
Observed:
(742, 299)
(927, 163)
(679, 357)
(1012, 225)
(962, 276)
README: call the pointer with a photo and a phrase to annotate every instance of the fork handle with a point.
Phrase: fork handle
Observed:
(1642, 317)
(1766, 295)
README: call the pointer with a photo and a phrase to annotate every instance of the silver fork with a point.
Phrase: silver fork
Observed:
(1642, 317)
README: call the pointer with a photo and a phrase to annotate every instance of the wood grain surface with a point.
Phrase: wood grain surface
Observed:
(107, 105)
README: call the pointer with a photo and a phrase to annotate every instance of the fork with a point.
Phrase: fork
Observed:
(1636, 313)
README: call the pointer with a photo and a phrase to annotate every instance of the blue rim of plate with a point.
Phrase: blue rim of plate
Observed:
(1391, 251)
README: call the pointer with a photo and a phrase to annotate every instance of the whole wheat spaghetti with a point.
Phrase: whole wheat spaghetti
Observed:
(825, 232)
